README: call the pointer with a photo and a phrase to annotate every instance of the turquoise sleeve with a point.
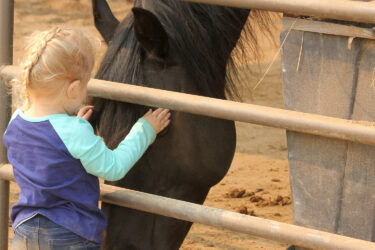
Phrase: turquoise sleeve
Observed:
(80, 140)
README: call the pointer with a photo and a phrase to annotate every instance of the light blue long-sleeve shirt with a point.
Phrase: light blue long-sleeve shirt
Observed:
(80, 140)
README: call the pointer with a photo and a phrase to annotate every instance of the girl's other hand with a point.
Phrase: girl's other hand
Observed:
(85, 112)
(159, 119)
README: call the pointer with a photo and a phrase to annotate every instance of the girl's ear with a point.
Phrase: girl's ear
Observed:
(73, 89)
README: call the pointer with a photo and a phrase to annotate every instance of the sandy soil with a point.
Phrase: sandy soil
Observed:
(258, 180)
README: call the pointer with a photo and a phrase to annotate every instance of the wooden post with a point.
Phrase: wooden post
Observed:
(6, 55)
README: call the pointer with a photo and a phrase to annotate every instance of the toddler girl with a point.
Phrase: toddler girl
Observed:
(56, 156)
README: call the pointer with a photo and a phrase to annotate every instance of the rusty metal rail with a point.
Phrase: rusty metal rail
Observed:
(267, 229)
(355, 11)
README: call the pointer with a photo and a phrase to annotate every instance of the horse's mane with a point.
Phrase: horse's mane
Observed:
(194, 30)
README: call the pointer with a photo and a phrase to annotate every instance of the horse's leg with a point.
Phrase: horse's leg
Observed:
(169, 233)
(127, 229)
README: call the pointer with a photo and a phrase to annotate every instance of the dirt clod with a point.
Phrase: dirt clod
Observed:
(286, 201)
(279, 198)
(246, 210)
(256, 198)
(263, 203)
(236, 193)
(242, 210)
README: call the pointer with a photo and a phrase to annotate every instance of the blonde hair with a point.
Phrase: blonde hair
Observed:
(58, 53)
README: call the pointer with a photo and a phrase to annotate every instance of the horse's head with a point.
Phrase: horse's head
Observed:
(164, 44)
(139, 53)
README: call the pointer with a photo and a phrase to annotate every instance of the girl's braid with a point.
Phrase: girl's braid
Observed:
(33, 59)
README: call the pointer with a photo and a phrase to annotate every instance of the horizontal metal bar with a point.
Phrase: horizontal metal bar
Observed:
(268, 229)
(6, 172)
(279, 118)
(355, 11)
(327, 28)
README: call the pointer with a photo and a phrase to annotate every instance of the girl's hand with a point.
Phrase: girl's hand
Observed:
(158, 119)
(85, 112)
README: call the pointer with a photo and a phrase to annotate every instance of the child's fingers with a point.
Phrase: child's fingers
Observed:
(87, 107)
(83, 112)
(165, 118)
(84, 109)
(80, 113)
(87, 115)
(163, 114)
(165, 124)
(157, 112)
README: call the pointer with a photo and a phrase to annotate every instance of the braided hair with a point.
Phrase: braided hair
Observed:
(33, 58)
(64, 53)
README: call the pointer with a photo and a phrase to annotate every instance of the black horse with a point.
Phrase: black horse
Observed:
(177, 46)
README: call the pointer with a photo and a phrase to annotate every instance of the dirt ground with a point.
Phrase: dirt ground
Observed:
(258, 180)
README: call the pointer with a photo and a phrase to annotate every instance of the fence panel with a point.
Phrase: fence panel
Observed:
(332, 181)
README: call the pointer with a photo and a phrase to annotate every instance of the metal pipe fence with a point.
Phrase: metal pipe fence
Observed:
(291, 120)
(286, 119)
(267, 229)
(355, 11)
(230, 110)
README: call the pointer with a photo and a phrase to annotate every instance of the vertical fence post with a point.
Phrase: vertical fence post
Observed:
(6, 55)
